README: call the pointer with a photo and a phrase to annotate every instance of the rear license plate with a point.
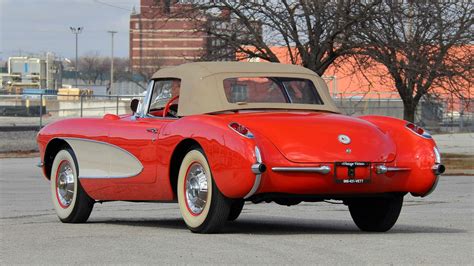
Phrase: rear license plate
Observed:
(352, 172)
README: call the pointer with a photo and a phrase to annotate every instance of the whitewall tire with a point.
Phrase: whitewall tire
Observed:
(70, 201)
(202, 205)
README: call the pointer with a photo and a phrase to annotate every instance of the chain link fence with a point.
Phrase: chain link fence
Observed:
(30, 112)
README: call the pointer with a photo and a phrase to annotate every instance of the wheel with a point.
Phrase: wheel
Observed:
(235, 209)
(202, 205)
(70, 201)
(376, 214)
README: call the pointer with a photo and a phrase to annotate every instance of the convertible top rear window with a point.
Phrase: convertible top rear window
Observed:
(271, 90)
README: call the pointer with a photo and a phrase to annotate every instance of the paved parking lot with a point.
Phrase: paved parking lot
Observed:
(433, 230)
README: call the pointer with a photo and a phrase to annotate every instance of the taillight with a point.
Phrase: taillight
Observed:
(418, 130)
(241, 129)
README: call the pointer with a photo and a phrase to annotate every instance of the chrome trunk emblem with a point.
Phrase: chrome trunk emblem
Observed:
(344, 139)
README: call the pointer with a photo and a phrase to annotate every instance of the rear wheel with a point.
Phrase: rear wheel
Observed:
(70, 201)
(202, 205)
(235, 209)
(376, 214)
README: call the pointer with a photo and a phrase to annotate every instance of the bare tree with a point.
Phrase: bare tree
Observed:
(94, 69)
(422, 44)
(313, 32)
(140, 74)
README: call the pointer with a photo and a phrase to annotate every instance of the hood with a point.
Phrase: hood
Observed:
(305, 137)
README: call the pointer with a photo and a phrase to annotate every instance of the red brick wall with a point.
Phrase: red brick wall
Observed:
(157, 37)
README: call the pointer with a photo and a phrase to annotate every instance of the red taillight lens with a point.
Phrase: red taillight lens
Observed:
(241, 129)
(418, 130)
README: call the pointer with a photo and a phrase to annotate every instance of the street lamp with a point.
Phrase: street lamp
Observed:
(112, 61)
(76, 31)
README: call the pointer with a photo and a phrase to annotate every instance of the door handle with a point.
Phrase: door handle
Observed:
(152, 130)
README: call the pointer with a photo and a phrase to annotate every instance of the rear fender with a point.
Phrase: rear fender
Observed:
(229, 154)
(413, 151)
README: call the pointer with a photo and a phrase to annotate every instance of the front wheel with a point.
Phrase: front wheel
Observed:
(202, 205)
(376, 214)
(70, 201)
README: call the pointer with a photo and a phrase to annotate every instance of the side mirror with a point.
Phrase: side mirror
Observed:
(134, 105)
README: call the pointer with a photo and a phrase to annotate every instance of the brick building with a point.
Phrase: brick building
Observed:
(161, 36)
(169, 32)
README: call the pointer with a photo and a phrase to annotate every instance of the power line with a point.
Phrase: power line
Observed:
(110, 5)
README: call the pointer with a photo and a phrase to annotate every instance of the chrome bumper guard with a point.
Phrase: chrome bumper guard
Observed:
(257, 168)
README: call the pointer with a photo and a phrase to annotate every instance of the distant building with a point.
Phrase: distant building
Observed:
(32, 72)
(160, 37)
(166, 33)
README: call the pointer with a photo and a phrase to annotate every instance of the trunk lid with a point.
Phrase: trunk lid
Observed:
(308, 137)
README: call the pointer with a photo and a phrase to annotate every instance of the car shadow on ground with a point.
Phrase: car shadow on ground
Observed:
(283, 226)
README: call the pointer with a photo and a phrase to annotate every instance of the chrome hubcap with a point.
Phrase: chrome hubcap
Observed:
(65, 184)
(196, 188)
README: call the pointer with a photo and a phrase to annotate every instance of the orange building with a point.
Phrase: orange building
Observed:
(345, 80)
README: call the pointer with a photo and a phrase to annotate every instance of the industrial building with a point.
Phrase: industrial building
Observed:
(32, 73)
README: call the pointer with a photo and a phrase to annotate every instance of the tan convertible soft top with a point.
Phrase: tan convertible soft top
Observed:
(202, 87)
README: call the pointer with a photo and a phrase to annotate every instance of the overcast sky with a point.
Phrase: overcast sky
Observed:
(37, 26)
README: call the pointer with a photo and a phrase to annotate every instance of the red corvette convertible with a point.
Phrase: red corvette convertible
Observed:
(214, 135)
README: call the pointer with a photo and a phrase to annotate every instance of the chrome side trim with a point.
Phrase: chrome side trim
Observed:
(258, 176)
(325, 169)
(382, 169)
(396, 169)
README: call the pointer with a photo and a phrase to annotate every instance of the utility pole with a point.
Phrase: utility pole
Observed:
(112, 61)
(76, 31)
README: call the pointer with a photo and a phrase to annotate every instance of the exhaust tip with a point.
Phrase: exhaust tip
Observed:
(259, 168)
(439, 169)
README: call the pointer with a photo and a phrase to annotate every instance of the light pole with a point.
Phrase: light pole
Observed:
(112, 61)
(76, 31)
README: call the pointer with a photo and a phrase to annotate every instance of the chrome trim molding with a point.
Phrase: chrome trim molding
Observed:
(433, 187)
(396, 169)
(325, 169)
(258, 155)
(382, 169)
(437, 155)
(92, 155)
(258, 174)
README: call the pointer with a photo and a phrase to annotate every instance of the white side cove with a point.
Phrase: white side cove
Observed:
(103, 160)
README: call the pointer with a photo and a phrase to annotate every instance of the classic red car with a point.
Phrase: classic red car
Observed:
(213, 135)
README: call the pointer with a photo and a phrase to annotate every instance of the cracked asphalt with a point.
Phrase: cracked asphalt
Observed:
(433, 230)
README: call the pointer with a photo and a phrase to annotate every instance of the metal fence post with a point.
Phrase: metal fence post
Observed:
(82, 101)
(117, 110)
(461, 114)
(41, 111)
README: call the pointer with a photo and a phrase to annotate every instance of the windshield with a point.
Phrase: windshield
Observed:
(271, 90)
(163, 91)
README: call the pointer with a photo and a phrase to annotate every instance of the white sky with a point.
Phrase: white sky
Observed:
(37, 26)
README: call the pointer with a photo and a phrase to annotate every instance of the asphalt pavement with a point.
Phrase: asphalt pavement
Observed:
(433, 230)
